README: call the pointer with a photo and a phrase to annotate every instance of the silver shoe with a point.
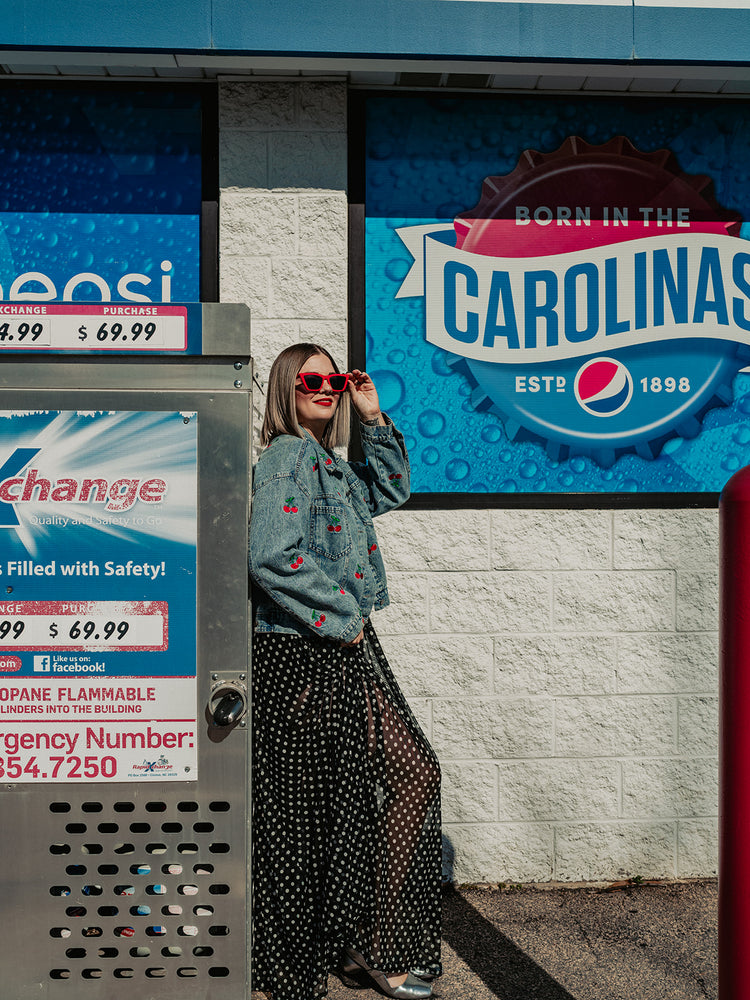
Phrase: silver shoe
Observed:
(421, 973)
(411, 989)
(348, 966)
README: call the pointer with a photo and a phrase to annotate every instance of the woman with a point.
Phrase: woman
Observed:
(346, 789)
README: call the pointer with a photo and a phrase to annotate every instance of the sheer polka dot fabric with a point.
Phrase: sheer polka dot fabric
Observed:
(346, 817)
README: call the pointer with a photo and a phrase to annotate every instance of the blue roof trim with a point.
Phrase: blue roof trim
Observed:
(442, 28)
(679, 34)
(460, 29)
(107, 24)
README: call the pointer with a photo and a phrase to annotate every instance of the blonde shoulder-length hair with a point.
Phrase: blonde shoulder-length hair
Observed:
(281, 409)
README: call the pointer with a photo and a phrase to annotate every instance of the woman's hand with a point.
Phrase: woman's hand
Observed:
(356, 640)
(364, 396)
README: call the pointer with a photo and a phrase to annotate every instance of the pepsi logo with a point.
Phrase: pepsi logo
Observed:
(603, 387)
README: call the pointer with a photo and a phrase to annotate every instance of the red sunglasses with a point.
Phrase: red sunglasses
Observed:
(313, 381)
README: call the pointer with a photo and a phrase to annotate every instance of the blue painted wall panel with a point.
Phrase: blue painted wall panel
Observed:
(106, 24)
(700, 35)
(430, 27)
(379, 27)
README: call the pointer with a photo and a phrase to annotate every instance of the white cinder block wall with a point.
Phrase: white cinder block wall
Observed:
(563, 663)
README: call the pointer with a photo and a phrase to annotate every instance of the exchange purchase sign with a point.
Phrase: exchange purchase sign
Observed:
(97, 625)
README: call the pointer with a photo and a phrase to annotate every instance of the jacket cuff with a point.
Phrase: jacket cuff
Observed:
(376, 432)
(353, 631)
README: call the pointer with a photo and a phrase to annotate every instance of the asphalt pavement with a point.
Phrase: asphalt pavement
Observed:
(618, 941)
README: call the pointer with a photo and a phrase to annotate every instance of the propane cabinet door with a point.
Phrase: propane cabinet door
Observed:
(124, 729)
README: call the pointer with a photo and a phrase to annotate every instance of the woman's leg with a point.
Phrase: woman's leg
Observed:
(407, 881)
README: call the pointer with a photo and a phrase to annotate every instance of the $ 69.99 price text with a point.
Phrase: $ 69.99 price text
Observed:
(80, 630)
(115, 332)
(85, 625)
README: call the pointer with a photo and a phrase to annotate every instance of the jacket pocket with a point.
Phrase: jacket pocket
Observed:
(329, 531)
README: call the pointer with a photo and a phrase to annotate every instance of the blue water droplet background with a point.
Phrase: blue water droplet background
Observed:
(456, 470)
(390, 389)
(430, 423)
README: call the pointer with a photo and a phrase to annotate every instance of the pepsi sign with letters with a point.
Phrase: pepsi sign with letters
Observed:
(584, 316)
(100, 194)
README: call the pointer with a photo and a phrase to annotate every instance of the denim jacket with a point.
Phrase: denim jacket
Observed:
(313, 550)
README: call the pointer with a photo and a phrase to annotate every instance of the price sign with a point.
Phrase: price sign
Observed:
(94, 625)
(22, 330)
(100, 327)
(110, 333)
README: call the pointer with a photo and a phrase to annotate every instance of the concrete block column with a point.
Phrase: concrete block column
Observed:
(283, 213)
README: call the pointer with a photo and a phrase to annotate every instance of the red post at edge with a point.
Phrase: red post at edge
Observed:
(734, 739)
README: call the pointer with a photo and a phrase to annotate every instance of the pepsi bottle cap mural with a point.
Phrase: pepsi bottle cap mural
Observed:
(578, 304)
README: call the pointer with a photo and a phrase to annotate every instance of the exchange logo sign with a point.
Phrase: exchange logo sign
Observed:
(33, 488)
(597, 299)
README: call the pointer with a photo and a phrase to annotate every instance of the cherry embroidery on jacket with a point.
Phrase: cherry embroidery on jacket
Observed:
(297, 563)
(333, 523)
(372, 547)
(314, 462)
(289, 506)
(336, 586)
(394, 475)
(320, 619)
(360, 572)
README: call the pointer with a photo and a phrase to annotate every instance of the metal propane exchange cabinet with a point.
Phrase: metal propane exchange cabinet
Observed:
(124, 735)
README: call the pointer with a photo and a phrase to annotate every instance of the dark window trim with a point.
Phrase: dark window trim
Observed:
(356, 238)
(561, 501)
(209, 221)
(357, 359)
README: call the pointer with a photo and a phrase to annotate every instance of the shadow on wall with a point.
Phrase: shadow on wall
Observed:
(503, 967)
(449, 855)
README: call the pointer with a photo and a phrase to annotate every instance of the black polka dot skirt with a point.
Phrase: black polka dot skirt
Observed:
(346, 817)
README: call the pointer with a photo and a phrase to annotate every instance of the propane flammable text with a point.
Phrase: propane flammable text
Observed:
(87, 692)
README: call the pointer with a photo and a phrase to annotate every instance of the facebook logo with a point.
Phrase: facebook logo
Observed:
(42, 664)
